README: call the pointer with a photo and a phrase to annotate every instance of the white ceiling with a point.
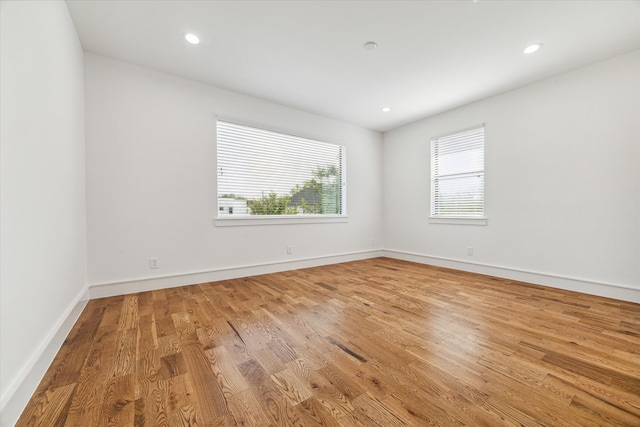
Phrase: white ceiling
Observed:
(432, 56)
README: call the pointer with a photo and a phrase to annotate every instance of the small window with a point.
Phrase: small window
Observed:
(263, 173)
(457, 175)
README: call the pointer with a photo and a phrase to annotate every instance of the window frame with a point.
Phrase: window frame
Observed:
(301, 218)
(479, 219)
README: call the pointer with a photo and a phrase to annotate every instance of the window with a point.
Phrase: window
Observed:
(263, 173)
(457, 175)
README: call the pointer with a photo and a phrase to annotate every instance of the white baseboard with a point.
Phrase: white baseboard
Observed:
(17, 395)
(621, 292)
(101, 290)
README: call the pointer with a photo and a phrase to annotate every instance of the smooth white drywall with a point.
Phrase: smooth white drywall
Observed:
(42, 193)
(562, 161)
(151, 178)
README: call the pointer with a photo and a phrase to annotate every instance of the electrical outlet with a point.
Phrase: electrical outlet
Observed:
(289, 250)
(153, 263)
(469, 251)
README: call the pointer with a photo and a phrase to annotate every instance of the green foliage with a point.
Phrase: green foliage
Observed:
(271, 205)
(310, 208)
(232, 196)
(318, 195)
(322, 190)
(313, 184)
(322, 173)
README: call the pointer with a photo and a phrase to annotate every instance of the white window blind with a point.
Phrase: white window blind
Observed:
(263, 172)
(457, 175)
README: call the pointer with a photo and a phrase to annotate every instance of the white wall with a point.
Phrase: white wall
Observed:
(151, 181)
(563, 186)
(562, 161)
(42, 193)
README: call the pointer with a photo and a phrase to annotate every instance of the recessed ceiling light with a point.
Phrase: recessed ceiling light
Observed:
(532, 48)
(386, 109)
(370, 45)
(191, 38)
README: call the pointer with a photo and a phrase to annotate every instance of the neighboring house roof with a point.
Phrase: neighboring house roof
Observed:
(310, 195)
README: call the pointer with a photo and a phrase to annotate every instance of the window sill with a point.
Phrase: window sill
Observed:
(278, 220)
(458, 221)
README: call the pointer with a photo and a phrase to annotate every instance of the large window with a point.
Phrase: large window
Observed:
(266, 173)
(457, 175)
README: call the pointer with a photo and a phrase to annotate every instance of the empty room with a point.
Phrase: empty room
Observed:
(319, 213)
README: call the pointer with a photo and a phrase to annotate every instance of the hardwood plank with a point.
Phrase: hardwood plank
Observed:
(125, 352)
(51, 408)
(118, 405)
(129, 315)
(376, 413)
(95, 372)
(269, 361)
(210, 400)
(291, 387)
(229, 379)
(323, 390)
(313, 413)
(246, 410)
(273, 403)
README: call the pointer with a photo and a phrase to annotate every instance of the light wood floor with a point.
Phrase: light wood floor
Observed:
(369, 343)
